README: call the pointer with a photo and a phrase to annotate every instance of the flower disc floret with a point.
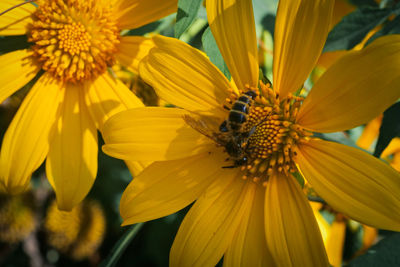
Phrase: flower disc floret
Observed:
(270, 133)
(74, 40)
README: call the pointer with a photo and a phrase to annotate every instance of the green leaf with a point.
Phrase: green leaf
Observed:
(353, 240)
(187, 12)
(385, 253)
(263, 78)
(391, 27)
(299, 178)
(390, 128)
(352, 29)
(121, 245)
(151, 27)
(212, 51)
(263, 9)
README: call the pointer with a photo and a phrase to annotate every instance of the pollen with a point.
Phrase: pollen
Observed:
(272, 134)
(74, 40)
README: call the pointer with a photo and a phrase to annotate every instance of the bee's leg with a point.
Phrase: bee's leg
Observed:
(237, 163)
(229, 167)
(224, 127)
(226, 107)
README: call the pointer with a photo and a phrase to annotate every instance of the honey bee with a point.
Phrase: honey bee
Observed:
(238, 113)
(237, 143)
(231, 135)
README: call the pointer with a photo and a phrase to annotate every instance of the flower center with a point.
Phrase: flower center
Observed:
(75, 40)
(260, 133)
(272, 134)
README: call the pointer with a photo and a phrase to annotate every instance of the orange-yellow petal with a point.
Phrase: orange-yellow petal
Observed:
(168, 186)
(370, 133)
(396, 162)
(135, 13)
(107, 96)
(136, 167)
(301, 29)
(249, 246)
(392, 148)
(210, 225)
(132, 49)
(16, 69)
(71, 165)
(15, 21)
(352, 182)
(151, 134)
(355, 89)
(26, 142)
(335, 243)
(185, 77)
(369, 237)
(292, 233)
(341, 9)
(323, 225)
(232, 24)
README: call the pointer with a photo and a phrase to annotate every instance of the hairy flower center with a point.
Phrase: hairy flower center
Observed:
(267, 135)
(75, 40)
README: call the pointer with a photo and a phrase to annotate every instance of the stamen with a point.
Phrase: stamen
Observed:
(264, 140)
(75, 40)
(271, 146)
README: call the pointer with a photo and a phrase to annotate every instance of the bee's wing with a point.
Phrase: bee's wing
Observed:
(201, 127)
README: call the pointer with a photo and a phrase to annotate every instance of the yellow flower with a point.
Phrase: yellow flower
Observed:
(334, 234)
(248, 207)
(73, 44)
(17, 217)
(78, 232)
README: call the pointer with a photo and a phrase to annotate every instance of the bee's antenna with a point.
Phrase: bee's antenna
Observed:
(18, 5)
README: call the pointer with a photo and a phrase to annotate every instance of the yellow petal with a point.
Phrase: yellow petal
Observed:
(132, 49)
(369, 237)
(323, 225)
(232, 24)
(396, 162)
(392, 148)
(341, 9)
(370, 133)
(291, 230)
(183, 76)
(15, 21)
(352, 182)
(210, 225)
(168, 186)
(107, 96)
(335, 243)
(17, 69)
(135, 13)
(355, 89)
(301, 29)
(26, 142)
(151, 134)
(71, 165)
(249, 246)
(136, 167)
(327, 59)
